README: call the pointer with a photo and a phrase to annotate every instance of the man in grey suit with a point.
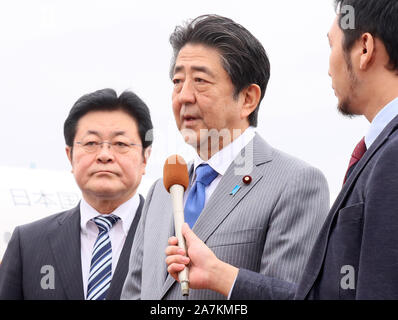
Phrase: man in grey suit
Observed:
(83, 253)
(256, 207)
(356, 253)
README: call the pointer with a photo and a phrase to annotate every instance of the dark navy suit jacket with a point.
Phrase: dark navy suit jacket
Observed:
(55, 242)
(356, 253)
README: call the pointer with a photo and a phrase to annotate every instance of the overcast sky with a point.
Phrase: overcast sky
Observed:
(53, 52)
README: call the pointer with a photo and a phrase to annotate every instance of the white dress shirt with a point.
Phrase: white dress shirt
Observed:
(117, 234)
(382, 119)
(220, 163)
(221, 160)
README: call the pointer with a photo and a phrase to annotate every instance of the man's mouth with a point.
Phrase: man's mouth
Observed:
(99, 172)
(189, 120)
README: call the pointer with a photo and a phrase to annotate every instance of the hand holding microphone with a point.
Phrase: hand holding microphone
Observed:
(206, 271)
(176, 181)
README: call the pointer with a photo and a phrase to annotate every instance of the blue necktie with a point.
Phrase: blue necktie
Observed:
(100, 276)
(196, 196)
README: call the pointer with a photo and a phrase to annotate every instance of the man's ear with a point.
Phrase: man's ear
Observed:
(69, 154)
(367, 47)
(147, 154)
(251, 95)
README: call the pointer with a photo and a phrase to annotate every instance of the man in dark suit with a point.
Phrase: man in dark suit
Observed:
(83, 253)
(356, 253)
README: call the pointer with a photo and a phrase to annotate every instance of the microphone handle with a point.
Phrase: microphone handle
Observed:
(177, 197)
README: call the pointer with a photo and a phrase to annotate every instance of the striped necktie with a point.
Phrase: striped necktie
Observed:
(100, 276)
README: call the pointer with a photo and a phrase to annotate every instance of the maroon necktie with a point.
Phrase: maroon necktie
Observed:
(359, 151)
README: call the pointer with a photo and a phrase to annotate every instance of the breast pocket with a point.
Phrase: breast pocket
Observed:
(347, 238)
(241, 248)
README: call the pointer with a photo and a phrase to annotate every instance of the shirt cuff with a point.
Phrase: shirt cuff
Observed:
(232, 288)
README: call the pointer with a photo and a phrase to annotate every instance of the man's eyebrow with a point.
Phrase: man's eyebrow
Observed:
(118, 133)
(194, 68)
(178, 69)
(92, 132)
(113, 134)
(203, 69)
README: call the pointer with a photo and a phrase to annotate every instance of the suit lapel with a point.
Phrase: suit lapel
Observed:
(65, 244)
(123, 263)
(318, 253)
(222, 202)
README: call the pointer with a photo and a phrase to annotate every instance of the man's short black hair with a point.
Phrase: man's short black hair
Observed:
(243, 56)
(377, 17)
(107, 100)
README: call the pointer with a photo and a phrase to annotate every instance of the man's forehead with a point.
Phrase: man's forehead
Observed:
(109, 116)
(114, 122)
(334, 28)
(197, 57)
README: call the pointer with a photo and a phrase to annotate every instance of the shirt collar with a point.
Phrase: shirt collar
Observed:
(221, 160)
(385, 115)
(125, 212)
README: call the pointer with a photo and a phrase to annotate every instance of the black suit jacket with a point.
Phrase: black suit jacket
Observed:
(356, 253)
(50, 247)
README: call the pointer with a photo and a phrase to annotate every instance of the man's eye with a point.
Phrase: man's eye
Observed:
(120, 144)
(91, 143)
(176, 81)
(201, 82)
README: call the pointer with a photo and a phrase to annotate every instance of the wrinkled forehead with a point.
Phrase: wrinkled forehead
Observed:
(201, 56)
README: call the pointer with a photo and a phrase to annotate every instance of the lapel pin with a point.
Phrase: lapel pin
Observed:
(247, 179)
(235, 190)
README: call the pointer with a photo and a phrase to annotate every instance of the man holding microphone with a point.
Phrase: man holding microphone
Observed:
(356, 253)
(256, 207)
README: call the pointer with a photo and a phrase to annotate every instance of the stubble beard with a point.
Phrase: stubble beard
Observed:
(345, 105)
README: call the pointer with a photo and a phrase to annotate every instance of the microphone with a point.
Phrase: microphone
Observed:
(176, 181)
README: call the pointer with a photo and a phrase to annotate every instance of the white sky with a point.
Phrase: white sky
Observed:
(52, 52)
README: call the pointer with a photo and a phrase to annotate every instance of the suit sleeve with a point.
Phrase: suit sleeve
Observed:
(11, 270)
(132, 284)
(250, 285)
(377, 275)
(295, 224)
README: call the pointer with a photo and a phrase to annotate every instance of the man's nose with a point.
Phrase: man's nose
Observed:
(105, 153)
(187, 93)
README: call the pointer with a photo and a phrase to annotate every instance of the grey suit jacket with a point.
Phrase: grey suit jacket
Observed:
(268, 226)
(50, 247)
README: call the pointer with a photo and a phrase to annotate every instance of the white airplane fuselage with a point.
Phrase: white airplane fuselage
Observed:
(27, 195)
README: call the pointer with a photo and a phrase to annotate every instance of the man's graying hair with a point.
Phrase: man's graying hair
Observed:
(243, 57)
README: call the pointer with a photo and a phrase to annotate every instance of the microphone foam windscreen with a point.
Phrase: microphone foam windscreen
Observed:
(175, 171)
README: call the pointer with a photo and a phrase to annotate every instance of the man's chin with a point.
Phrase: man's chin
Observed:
(104, 192)
(106, 196)
(345, 109)
(190, 137)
